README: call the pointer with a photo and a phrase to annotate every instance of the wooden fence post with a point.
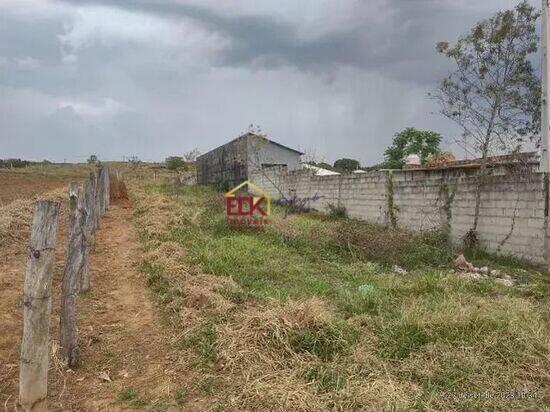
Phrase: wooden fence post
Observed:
(107, 189)
(101, 190)
(68, 333)
(92, 206)
(97, 209)
(37, 304)
(89, 232)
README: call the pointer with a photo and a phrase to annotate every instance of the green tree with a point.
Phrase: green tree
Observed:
(411, 141)
(346, 165)
(494, 94)
(174, 162)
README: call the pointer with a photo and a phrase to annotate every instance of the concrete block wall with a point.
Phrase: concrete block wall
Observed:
(511, 214)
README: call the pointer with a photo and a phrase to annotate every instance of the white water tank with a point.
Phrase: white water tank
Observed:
(412, 160)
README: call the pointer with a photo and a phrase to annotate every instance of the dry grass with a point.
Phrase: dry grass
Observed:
(270, 355)
(280, 323)
(16, 217)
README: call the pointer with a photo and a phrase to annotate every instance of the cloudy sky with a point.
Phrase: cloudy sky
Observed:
(153, 78)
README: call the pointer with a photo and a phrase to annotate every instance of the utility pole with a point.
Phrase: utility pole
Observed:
(545, 114)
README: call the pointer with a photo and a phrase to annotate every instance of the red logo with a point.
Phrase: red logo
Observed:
(246, 209)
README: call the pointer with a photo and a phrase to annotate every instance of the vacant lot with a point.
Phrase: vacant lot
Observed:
(32, 181)
(307, 313)
(25, 185)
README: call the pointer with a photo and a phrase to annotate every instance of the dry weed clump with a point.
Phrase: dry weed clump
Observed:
(168, 256)
(276, 392)
(268, 369)
(391, 246)
(202, 298)
(310, 313)
(16, 217)
(257, 337)
(284, 226)
(154, 214)
(118, 190)
(372, 242)
(268, 350)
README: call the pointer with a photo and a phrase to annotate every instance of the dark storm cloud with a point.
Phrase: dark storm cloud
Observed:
(157, 78)
(402, 45)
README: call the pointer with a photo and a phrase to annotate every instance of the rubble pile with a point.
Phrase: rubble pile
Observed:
(467, 270)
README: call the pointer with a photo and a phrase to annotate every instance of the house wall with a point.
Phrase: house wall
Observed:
(227, 163)
(232, 162)
(511, 215)
(262, 151)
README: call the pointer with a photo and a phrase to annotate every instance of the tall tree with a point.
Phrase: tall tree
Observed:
(411, 141)
(346, 165)
(494, 94)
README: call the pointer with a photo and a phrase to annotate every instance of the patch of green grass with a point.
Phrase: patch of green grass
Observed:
(160, 283)
(131, 396)
(180, 396)
(376, 303)
(324, 341)
(325, 377)
(127, 394)
(400, 340)
(206, 385)
(233, 294)
(204, 342)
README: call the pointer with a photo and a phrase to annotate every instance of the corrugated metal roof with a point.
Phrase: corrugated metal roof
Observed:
(254, 134)
(319, 171)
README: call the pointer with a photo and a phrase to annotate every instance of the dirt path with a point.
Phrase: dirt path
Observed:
(124, 347)
(121, 329)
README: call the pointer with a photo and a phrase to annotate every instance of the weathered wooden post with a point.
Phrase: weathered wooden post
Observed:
(107, 189)
(68, 333)
(37, 304)
(89, 232)
(92, 206)
(97, 209)
(101, 191)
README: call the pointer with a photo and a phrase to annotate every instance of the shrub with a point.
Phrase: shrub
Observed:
(15, 163)
(174, 162)
(337, 211)
(470, 241)
(391, 246)
(127, 394)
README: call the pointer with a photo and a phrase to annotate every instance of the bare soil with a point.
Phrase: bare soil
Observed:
(19, 185)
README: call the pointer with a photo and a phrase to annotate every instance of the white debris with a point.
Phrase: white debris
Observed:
(495, 273)
(399, 270)
(505, 282)
(470, 275)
